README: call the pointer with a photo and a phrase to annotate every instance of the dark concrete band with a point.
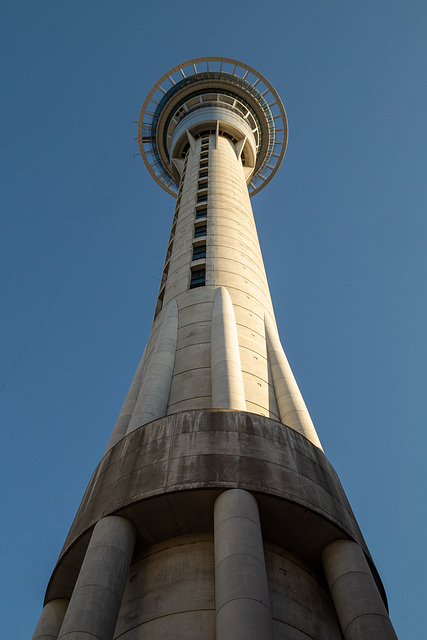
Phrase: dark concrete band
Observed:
(171, 470)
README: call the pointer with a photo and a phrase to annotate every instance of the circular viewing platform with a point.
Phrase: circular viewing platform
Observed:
(227, 91)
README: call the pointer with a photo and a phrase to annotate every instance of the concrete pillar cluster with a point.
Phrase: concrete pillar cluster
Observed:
(242, 597)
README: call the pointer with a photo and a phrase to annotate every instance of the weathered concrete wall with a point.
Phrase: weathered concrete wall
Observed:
(171, 470)
(165, 477)
(170, 592)
(301, 606)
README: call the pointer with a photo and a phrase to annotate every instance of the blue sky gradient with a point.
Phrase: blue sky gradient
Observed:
(342, 228)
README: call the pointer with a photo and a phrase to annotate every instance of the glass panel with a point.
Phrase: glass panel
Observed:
(199, 252)
(197, 278)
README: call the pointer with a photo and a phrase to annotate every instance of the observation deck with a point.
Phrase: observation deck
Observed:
(215, 95)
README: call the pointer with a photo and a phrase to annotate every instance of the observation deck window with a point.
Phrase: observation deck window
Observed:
(200, 231)
(198, 278)
(159, 304)
(199, 252)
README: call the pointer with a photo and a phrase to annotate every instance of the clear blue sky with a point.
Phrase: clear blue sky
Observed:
(342, 228)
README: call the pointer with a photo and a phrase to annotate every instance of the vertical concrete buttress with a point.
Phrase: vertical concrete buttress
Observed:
(241, 589)
(293, 410)
(125, 415)
(153, 395)
(358, 603)
(227, 383)
(51, 619)
(97, 595)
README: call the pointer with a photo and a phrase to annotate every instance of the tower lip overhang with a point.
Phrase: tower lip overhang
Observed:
(196, 80)
(299, 502)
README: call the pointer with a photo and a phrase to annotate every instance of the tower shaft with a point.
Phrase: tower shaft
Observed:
(223, 331)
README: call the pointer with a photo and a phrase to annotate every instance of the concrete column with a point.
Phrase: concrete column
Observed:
(95, 603)
(125, 415)
(357, 601)
(227, 383)
(241, 591)
(292, 408)
(153, 395)
(51, 620)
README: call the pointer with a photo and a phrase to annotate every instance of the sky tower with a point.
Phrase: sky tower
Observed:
(214, 513)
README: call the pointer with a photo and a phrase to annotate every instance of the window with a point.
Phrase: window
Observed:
(159, 304)
(203, 184)
(204, 155)
(202, 212)
(200, 231)
(203, 173)
(199, 252)
(202, 197)
(203, 164)
(198, 278)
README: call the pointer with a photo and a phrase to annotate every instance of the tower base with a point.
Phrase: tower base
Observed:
(166, 478)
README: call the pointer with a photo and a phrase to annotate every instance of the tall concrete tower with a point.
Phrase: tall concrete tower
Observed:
(214, 513)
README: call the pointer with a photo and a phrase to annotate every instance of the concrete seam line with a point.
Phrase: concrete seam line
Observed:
(110, 546)
(184, 543)
(244, 598)
(94, 584)
(193, 368)
(292, 627)
(71, 633)
(225, 455)
(235, 517)
(166, 615)
(233, 555)
(363, 615)
(349, 573)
